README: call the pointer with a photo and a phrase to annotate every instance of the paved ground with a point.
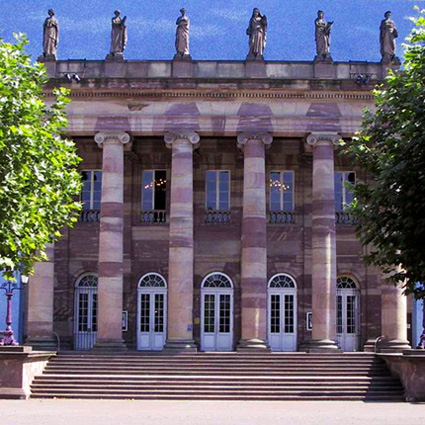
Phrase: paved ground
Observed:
(101, 412)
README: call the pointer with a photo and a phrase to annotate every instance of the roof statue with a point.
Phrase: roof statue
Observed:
(182, 36)
(118, 37)
(322, 36)
(50, 37)
(387, 35)
(257, 31)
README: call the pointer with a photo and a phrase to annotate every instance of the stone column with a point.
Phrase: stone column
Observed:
(254, 242)
(181, 252)
(323, 243)
(110, 284)
(393, 319)
(40, 304)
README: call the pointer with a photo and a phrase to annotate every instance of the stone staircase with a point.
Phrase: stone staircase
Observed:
(218, 376)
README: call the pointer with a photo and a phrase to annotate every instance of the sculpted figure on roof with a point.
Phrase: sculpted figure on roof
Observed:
(257, 32)
(182, 35)
(388, 34)
(118, 36)
(323, 37)
(50, 36)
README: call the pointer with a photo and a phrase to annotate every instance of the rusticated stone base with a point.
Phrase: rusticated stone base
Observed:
(175, 346)
(110, 345)
(42, 343)
(392, 346)
(253, 345)
(320, 346)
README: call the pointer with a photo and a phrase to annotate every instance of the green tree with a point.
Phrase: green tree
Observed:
(390, 208)
(38, 177)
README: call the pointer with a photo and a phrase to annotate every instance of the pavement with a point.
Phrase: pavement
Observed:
(132, 412)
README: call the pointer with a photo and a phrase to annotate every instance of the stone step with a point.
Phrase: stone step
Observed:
(154, 386)
(231, 376)
(225, 396)
(247, 380)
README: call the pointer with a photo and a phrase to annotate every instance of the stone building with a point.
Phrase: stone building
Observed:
(214, 211)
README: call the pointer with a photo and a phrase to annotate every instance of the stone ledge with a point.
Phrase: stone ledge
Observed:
(409, 367)
(18, 367)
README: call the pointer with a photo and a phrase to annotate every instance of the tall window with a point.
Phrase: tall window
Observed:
(343, 193)
(92, 190)
(154, 185)
(281, 191)
(217, 191)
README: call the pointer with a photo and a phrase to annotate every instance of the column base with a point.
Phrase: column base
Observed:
(320, 346)
(42, 343)
(253, 345)
(175, 346)
(393, 346)
(110, 345)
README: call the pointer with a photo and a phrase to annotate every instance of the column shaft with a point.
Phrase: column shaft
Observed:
(40, 304)
(254, 244)
(181, 248)
(393, 319)
(110, 284)
(323, 245)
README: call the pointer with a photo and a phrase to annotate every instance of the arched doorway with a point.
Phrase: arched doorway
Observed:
(348, 314)
(217, 313)
(282, 313)
(152, 312)
(85, 312)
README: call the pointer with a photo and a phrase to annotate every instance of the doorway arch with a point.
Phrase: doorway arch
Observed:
(217, 313)
(282, 313)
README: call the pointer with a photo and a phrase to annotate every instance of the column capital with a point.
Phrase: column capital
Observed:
(120, 136)
(264, 137)
(190, 136)
(317, 137)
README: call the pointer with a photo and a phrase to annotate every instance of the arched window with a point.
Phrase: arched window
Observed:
(282, 281)
(345, 282)
(87, 281)
(217, 280)
(152, 280)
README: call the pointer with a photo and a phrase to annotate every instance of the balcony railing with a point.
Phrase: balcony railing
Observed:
(282, 217)
(343, 217)
(217, 217)
(89, 216)
(153, 217)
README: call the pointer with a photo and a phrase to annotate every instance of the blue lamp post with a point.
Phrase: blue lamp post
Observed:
(421, 344)
(9, 288)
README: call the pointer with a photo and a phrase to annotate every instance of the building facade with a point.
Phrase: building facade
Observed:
(214, 211)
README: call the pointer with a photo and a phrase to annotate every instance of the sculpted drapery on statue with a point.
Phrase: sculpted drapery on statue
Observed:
(388, 34)
(257, 32)
(182, 35)
(118, 36)
(50, 36)
(323, 37)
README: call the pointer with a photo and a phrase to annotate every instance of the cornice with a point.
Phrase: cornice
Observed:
(209, 94)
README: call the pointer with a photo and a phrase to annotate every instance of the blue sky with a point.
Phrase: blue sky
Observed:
(217, 26)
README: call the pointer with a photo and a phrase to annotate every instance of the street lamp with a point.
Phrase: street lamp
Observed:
(9, 288)
(421, 344)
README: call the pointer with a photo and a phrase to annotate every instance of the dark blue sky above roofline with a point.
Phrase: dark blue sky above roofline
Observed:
(217, 27)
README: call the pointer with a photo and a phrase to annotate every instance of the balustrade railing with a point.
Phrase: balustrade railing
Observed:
(153, 217)
(217, 217)
(282, 217)
(343, 217)
(89, 216)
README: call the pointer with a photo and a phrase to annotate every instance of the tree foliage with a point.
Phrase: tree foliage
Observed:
(38, 177)
(390, 208)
